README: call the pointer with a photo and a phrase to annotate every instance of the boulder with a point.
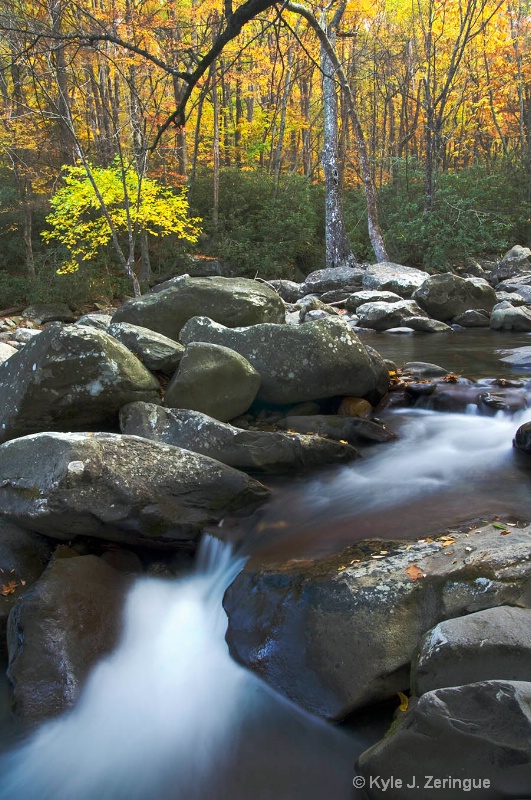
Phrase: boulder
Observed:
(516, 262)
(423, 324)
(473, 318)
(287, 290)
(506, 317)
(57, 632)
(121, 488)
(96, 320)
(156, 352)
(23, 557)
(214, 380)
(337, 633)
(423, 369)
(522, 438)
(40, 313)
(296, 363)
(348, 279)
(352, 301)
(230, 301)
(445, 296)
(383, 315)
(465, 740)
(70, 379)
(264, 451)
(387, 276)
(489, 645)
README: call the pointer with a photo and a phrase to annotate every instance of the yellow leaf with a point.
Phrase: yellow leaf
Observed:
(404, 701)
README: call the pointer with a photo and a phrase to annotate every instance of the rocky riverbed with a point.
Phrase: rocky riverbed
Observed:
(127, 437)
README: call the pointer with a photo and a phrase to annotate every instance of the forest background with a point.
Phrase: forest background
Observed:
(100, 177)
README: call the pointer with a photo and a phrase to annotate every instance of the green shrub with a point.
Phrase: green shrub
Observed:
(476, 212)
(260, 230)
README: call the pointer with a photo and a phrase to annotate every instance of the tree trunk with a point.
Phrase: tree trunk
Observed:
(338, 251)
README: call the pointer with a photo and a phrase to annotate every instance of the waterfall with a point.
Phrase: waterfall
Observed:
(169, 715)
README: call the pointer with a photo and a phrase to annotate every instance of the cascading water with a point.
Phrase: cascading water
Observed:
(443, 468)
(169, 715)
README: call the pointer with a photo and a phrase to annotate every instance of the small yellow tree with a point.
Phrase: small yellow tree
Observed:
(96, 205)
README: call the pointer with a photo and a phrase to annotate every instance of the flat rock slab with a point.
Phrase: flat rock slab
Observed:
(121, 488)
(263, 451)
(338, 633)
(351, 429)
(70, 379)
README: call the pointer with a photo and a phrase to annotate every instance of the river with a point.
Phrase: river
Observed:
(169, 716)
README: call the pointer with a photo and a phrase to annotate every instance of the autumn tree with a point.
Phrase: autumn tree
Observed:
(93, 210)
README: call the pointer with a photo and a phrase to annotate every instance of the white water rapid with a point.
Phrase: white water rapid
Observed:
(169, 715)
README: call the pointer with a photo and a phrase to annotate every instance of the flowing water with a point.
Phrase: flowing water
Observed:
(169, 716)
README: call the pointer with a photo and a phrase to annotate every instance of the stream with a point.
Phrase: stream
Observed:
(169, 715)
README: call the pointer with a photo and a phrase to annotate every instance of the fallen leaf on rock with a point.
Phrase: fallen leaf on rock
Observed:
(414, 572)
(8, 588)
(504, 533)
(498, 525)
(404, 701)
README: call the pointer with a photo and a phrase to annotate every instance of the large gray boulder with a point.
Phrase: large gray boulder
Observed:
(23, 557)
(156, 352)
(471, 740)
(387, 276)
(264, 451)
(70, 379)
(489, 645)
(297, 363)
(214, 380)
(506, 317)
(230, 301)
(58, 630)
(381, 315)
(446, 296)
(339, 633)
(121, 488)
(516, 262)
(348, 279)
